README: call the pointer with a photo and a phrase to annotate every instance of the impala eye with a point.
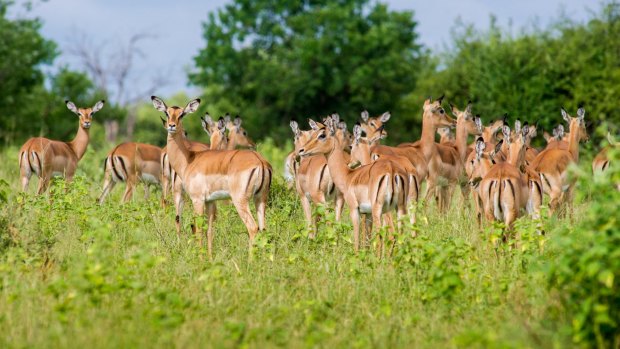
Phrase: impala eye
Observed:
(373, 124)
(441, 111)
(322, 136)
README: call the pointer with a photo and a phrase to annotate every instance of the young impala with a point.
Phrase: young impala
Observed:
(372, 189)
(131, 163)
(313, 180)
(46, 158)
(601, 160)
(552, 164)
(211, 175)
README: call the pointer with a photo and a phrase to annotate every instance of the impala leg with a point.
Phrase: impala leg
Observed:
(199, 211)
(129, 187)
(339, 205)
(108, 184)
(44, 182)
(376, 225)
(178, 207)
(305, 205)
(147, 193)
(211, 211)
(355, 219)
(261, 205)
(24, 171)
(243, 209)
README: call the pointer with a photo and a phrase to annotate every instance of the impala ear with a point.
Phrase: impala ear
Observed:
(560, 132)
(295, 128)
(506, 133)
(468, 109)
(385, 116)
(480, 146)
(364, 116)
(498, 147)
(97, 107)
(72, 107)
(357, 133)
(440, 99)
(227, 118)
(159, 104)
(237, 122)
(192, 106)
(336, 118)
(342, 125)
(581, 113)
(475, 182)
(221, 124)
(478, 123)
(565, 115)
(525, 131)
(206, 123)
(313, 124)
(518, 126)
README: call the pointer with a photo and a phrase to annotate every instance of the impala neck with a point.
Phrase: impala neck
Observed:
(573, 141)
(337, 165)
(461, 137)
(80, 142)
(427, 139)
(231, 144)
(178, 152)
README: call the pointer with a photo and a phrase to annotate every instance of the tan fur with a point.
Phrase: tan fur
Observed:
(46, 158)
(131, 163)
(243, 174)
(375, 189)
(313, 181)
(552, 164)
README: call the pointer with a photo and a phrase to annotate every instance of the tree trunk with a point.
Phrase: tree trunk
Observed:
(111, 130)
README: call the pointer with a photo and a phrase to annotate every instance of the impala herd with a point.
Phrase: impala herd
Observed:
(502, 173)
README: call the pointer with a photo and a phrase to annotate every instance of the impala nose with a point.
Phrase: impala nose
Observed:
(172, 128)
(86, 124)
(301, 152)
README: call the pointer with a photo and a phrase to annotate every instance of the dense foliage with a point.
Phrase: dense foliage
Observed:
(277, 60)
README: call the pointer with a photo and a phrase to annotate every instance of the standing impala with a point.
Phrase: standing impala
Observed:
(368, 190)
(46, 158)
(313, 180)
(552, 164)
(211, 175)
(131, 163)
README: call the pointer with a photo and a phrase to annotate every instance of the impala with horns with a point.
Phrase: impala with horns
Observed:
(313, 180)
(131, 163)
(552, 164)
(47, 158)
(211, 175)
(368, 190)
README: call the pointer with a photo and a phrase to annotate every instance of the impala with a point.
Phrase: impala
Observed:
(313, 180)
(477, 168)
(552, 164)
(237, 135)
(131, 163)
(360, 153)
(601, 160)
(506, 190)
(211, 175)
(46, 158)
(368, 190)
(374, 127)
(445, 135)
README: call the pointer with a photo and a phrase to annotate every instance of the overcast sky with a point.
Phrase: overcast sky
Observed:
(177, 25)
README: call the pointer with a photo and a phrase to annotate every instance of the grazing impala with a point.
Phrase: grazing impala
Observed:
(211, 175)
(506, 190)
(368, 190)
(314, 183)
(552, 164)
(46, 158)
(131, 163)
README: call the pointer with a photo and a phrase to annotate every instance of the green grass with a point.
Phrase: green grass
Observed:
(75, 274)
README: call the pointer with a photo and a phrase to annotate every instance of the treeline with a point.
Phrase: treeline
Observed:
(273, 61)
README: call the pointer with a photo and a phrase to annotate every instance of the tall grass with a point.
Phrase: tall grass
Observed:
(76, 274)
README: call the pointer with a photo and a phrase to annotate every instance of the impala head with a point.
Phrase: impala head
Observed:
(300, 137)
(320, 140)
(480, 165)
(172, 123)
(374, 128)
(488, 132)
(215, 130)
(237, 134)
(445, 134)
(467, 117)
(360, 149)
(577, 124)
(85, 114)
(517, 146)
(342, 134)
(436, 115)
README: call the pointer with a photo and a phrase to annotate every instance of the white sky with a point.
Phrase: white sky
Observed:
(177, 25)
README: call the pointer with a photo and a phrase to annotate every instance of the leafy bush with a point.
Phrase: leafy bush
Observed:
(586, 272)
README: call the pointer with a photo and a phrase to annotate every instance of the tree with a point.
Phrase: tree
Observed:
(24, 51)
(284, 59)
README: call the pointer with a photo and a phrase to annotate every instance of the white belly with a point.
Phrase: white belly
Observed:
(149, 178)
(219, 195)
(365, 207)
